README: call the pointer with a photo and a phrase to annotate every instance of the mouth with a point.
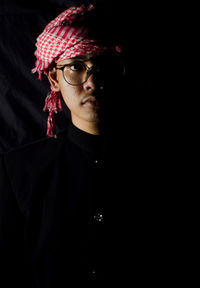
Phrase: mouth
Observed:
(90, 101)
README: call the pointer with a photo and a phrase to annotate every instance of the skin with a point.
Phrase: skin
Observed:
(81, 100)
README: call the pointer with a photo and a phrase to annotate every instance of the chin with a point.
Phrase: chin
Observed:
(92, 117)
(93, 120)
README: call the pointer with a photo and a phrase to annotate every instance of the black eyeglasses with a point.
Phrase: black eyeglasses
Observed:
(77, 72)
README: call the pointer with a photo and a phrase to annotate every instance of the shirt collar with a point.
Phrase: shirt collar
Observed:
(90, 143)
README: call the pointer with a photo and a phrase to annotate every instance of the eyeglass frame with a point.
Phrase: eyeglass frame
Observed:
(88, 69)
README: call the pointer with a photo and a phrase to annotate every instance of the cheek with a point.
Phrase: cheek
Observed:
(71, 95)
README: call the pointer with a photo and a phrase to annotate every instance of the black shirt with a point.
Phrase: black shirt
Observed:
(58, 190)
(83, 210)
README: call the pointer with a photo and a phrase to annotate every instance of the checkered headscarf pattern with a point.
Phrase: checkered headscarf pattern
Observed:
(62, 39)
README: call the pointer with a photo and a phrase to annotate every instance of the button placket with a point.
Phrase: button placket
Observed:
(98, 216)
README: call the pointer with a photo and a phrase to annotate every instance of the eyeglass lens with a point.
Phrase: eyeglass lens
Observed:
(77, 72)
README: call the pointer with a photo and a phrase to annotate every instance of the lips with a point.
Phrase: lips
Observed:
(90, 101)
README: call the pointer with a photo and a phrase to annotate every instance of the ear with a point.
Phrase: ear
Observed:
(52, 76)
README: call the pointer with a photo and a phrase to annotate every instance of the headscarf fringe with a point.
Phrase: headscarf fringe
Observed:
(53, 105)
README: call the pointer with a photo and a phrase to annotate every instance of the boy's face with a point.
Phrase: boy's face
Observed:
(84, 100)
(87, 100)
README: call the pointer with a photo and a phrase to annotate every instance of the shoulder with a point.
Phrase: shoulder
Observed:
(36, 151)
(28, 161)
(26, 166)
(35, 145)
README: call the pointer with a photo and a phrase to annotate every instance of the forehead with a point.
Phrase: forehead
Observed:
(87, 57)
(78, 58)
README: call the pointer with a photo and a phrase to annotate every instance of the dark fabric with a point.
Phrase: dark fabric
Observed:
(53, 192)
(50, 192)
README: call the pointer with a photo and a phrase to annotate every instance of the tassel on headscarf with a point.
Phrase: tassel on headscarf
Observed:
(53, 105)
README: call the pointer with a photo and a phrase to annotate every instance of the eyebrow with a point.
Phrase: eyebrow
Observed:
(81, 57)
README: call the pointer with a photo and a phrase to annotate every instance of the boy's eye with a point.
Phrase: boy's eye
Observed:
(79, 67)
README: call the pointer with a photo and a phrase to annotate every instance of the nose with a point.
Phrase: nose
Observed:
(90, 83)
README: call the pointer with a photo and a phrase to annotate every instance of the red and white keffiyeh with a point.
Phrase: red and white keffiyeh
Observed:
(62, 38)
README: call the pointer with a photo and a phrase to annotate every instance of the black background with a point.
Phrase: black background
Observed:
(136, 26)
(147, 107)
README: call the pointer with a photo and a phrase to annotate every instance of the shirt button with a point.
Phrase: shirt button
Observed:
(99, 162)
(98, 217)
(93, 272)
